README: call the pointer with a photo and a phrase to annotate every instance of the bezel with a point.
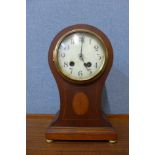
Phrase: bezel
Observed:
(73, 29)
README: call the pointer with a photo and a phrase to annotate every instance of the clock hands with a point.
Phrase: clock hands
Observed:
(81, 55)
(88, 64)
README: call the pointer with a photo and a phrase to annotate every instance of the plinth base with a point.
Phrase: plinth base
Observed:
(81, 133)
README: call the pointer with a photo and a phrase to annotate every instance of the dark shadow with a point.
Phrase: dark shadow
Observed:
(105, 103)
(80, 141)
(115, 96)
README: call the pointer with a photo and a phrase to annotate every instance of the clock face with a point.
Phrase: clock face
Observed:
(81, 56)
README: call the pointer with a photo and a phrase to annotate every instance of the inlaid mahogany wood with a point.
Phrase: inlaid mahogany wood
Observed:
(80, 116)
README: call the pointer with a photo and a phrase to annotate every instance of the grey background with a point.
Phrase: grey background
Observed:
(45, 18)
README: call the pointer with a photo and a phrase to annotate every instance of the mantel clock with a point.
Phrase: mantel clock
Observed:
(80, 58)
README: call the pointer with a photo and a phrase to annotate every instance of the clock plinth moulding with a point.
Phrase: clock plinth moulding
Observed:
(80, 116)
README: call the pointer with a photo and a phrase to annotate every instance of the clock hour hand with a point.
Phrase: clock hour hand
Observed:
(81, 57)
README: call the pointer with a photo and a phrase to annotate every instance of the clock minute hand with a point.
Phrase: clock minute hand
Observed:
(81, 55)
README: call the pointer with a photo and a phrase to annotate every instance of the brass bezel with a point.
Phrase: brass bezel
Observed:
(55, 54)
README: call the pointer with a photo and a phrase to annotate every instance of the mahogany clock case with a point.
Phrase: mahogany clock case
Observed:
(80, 116)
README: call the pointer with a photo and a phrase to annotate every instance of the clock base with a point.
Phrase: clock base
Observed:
(81, 133)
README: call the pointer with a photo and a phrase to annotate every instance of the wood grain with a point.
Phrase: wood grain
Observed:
(80, 103)
(36, 144)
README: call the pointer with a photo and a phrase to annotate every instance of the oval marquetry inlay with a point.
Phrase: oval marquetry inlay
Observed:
(80, 103)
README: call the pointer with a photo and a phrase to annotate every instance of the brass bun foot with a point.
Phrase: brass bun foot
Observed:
(112, 141)
(49, 140)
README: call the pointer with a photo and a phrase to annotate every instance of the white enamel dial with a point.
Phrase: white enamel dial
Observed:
(81, 56)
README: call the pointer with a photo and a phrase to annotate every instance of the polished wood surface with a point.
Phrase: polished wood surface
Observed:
(80, 101)
(36, 143)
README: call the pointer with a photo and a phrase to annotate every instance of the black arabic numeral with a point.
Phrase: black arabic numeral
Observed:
(66, 47)
(62, 54)
(65, 64)
(71, 70)
(90, 72)
(80, 73)
(99, 56)
(90, 41)
(81, 39)
(96, 47)
(96, 64)
(72, 41)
